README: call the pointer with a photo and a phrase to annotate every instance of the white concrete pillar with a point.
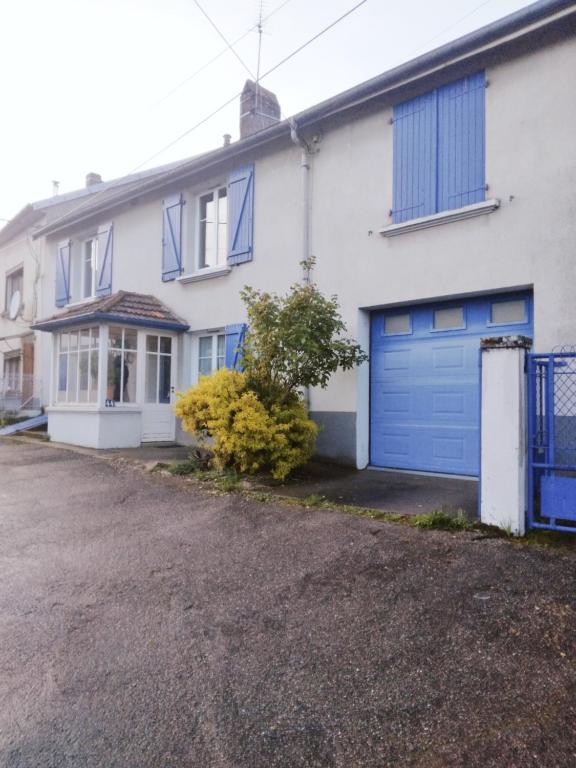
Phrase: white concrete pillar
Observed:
(503, 456)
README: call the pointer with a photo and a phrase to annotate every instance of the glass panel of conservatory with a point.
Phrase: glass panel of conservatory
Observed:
(164, 383)
(151, 377)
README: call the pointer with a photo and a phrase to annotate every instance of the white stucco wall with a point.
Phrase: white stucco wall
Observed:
(527, 242)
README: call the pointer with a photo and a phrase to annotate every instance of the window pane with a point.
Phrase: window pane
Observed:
(221, 351)
(151, 378)
(205, 355)
(95, 336)
(397, 324)
(72, 377)
(444, 319)
(164, 384)
(130, 338)
(114, 380)
(129, 393)
(73, 340)
(84, 379)
(165, 345)
(93, 395)
(207, 231)
(62, 377)
(152, 343)
(87, 270)
(205, 346)
(115, 338)
(509, 311)
(63, 342)
(84, 338)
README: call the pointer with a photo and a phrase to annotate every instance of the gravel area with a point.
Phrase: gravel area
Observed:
(145, 623)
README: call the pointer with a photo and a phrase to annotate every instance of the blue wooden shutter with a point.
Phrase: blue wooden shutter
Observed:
(240, 214)
(172, 237)
(62, 293)
(415, 134)
(105, 243)
(461, 174)
(234, 340)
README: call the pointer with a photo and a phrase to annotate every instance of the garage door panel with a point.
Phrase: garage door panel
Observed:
(434, 450)
(425, 389)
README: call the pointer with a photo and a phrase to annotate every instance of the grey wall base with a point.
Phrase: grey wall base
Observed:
(337, 435)
(336, 438)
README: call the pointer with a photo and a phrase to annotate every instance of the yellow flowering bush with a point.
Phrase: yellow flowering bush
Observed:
(246, 434)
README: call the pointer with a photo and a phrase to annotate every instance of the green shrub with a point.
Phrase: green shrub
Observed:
(246, 434)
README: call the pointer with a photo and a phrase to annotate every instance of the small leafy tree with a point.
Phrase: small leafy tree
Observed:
(295, 341)
(257, 419)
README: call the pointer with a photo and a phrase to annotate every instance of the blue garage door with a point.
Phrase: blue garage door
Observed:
(425, 380)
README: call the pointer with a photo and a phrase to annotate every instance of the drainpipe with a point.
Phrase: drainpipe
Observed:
(305, 176)
(305, 181)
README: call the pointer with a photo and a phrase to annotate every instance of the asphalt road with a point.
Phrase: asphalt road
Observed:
(145, 623)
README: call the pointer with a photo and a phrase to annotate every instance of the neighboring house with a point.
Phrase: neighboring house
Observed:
(439, 200)
(24, 354)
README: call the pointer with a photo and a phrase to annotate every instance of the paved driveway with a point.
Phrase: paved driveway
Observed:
(145, 624)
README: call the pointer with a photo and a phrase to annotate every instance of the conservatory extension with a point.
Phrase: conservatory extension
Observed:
(113, 372)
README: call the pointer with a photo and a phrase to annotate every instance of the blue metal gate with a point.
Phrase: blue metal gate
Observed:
(552, 441)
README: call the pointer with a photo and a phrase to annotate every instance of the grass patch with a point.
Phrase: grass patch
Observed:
(182, 468)
(199, 460)
(441, 520)
(314, 500)
(229, 481)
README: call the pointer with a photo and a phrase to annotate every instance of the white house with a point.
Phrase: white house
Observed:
(439, 200)
(24, 354)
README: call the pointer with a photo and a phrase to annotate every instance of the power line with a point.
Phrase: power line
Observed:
(451, 26)
(221, 34)
(229, 101)
(237, 95)
(218, 55)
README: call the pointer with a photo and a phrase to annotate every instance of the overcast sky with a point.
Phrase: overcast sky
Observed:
(86, 84)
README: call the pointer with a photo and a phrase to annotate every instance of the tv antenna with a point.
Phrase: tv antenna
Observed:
(259, 27)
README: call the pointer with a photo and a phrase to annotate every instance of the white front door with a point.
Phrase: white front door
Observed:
(158, 420)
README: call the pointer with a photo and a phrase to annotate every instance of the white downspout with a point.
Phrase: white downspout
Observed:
(305, 181)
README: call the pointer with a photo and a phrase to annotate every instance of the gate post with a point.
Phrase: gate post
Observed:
(503, 454)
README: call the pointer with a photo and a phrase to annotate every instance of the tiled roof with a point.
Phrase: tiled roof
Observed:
(122, 307)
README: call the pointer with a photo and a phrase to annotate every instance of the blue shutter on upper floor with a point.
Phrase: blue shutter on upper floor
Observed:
(172, 237)
(240, 215)
(105, 243)
(415, 161)
(461, 175)
(62, 292)
(234, 340)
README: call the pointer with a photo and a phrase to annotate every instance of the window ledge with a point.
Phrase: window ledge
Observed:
(93, 408)
(205, 274)
(80, 302)
(457, 214)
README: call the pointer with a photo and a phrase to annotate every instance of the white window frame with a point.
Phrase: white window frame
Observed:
(215, 358)
(124, 352)
(94, 260)
(93, 350)
(200, 257)
(10, 291)
(12, 379)
(157, 355)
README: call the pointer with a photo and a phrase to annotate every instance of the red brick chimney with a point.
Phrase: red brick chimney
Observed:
(259, 108)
